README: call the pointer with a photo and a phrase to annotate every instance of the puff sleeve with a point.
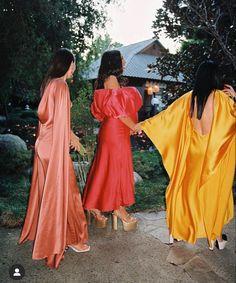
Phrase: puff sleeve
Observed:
(116, 103)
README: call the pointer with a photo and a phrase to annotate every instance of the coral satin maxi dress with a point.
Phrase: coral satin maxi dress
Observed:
(110, 181)
(55, 216)
(201, 168)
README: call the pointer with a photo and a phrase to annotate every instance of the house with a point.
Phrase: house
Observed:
(138, 56)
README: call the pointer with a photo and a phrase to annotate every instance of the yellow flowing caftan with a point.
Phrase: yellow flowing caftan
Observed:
(201, 168)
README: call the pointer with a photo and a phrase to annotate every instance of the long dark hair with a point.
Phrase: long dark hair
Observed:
(111, 64)
(207, 79)
(59, 66)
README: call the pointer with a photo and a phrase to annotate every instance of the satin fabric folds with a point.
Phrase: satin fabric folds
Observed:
(201, 168)
(110, 182)
(55, 216)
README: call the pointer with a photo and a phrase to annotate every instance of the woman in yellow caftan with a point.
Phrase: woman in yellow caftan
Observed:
(196, 139)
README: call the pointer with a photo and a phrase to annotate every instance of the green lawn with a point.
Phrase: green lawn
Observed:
(150, 193)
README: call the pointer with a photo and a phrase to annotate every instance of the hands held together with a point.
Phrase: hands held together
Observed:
(136, 129)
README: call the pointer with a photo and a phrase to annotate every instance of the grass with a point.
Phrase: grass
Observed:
(150, 193)
(14, 190)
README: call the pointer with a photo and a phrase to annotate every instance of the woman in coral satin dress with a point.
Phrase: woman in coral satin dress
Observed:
(55, 217)
(110, 184)
(196, 138)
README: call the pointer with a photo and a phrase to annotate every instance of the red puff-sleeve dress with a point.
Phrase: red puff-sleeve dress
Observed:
(110, 182)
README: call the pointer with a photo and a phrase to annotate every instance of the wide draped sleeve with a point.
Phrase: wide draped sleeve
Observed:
(170, 132)
(61, 136)
(116, 103)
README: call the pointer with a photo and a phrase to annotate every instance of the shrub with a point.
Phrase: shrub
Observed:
(148, 164)
(28, 114)
(82, 121)
(23, 125)
(15, 162)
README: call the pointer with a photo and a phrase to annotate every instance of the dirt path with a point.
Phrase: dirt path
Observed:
(121, 257)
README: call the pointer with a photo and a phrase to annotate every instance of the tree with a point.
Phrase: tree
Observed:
(99, 46)
(207, 31)
(31, 30)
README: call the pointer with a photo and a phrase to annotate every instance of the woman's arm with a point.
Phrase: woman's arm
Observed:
(129, 123)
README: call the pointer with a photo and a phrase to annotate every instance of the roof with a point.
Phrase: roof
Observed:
(137, 56)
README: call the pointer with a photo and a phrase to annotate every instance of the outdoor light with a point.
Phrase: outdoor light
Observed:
(151, 87)
(150, 90)
(156, 88)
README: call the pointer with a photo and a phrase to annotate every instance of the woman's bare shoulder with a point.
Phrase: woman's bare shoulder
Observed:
(111, 82)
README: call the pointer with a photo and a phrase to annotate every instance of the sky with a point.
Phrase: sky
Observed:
(132, 20)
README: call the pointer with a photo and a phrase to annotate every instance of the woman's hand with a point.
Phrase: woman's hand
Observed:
(228, 90)
(74, 142)
(137, 128)
(134, 128)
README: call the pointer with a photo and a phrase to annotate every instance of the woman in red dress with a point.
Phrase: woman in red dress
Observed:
(110, 184)
(55, 216)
